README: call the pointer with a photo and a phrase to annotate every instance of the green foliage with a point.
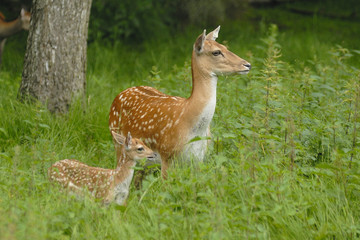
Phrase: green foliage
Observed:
(128, 19)
(349, 9)
(284, 161)
(138, 20)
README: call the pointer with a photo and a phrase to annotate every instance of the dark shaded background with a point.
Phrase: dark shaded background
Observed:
(137, 20)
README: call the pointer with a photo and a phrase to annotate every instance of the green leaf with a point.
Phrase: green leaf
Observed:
(324, 86)
(44, 126)
(198, 138)
(4, 132)
(318, 95)
(356, 51)
(138, 168)
(5, 156)
(120, 208)
(28, 122)
(247, 132)
(229, 135)
(220, 160)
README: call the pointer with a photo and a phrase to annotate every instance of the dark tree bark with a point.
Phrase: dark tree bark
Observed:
(55, 59)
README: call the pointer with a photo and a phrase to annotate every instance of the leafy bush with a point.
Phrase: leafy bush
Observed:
(138, 20)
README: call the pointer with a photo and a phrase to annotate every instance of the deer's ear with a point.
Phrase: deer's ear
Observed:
(120, 139)
(128, 141)
(199, 43)
(214, 34)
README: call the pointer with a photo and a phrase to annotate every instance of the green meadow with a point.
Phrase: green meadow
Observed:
(284, 162)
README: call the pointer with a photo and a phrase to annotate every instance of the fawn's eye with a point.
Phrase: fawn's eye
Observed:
(216, 53)
(140, 149)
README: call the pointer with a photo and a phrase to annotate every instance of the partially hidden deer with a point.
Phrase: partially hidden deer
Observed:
(167, 123)
(109, 185)
(8, 29)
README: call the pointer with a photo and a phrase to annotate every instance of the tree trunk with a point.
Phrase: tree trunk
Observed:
(55, 59)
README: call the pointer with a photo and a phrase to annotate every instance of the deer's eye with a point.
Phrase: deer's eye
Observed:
(140, 149)
(217, 53)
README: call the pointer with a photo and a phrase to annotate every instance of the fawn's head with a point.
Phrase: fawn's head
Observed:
(25, 19)
(134, 148)
(215, 58)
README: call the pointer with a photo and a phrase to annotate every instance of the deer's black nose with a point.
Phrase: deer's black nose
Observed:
(248, 65)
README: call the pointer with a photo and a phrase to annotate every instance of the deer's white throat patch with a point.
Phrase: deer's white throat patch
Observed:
(197, 149)
(121, 191)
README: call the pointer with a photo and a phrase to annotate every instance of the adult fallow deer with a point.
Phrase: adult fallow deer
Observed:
(167, 123)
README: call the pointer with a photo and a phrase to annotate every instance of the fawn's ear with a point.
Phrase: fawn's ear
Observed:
(214, 34)
(199, 43)
(128, 141)
(120, 139)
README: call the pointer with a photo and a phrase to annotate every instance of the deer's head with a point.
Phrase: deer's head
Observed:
(215, 58)
(134, 148)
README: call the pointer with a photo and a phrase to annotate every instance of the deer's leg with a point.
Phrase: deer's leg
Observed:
(164, 167)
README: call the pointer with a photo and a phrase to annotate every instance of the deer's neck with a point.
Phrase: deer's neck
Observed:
(201, 103)
(10, 28)
(204, 82)
(122, 179)
(124, 173)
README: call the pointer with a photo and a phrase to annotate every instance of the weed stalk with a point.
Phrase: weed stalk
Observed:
(270, 72)
(355, 119)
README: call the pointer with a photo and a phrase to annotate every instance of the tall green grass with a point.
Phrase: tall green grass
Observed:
(284, 160)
